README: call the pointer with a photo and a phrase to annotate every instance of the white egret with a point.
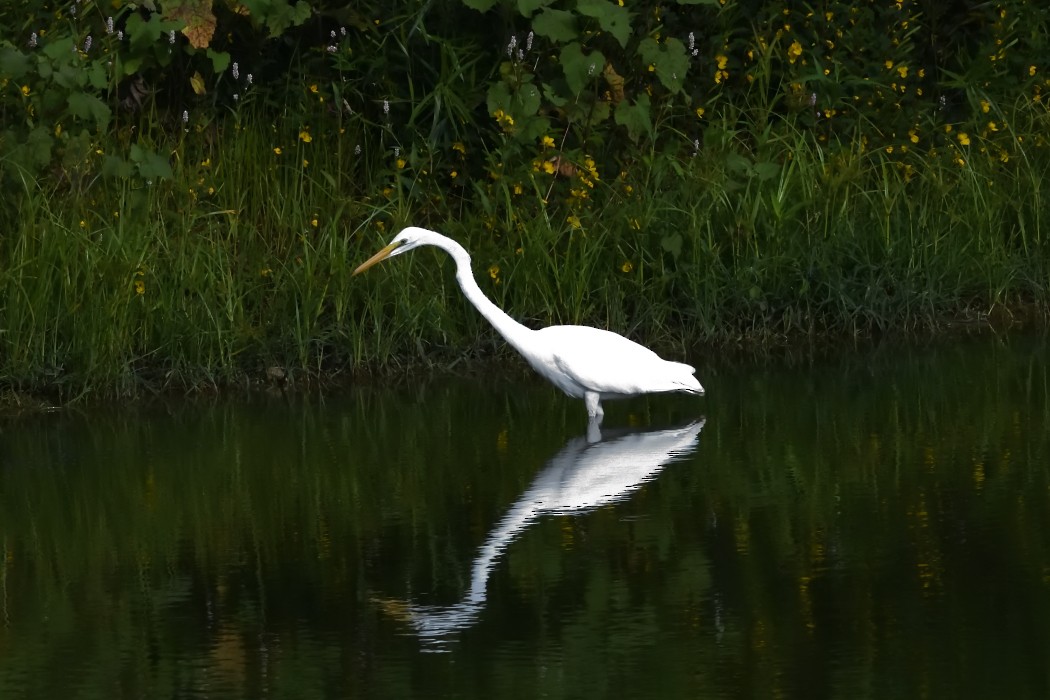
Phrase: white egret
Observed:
(584, 362)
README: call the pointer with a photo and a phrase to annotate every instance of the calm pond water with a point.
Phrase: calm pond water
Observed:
(874, 525)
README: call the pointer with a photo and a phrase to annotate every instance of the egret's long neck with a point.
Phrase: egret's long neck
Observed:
(514, 333)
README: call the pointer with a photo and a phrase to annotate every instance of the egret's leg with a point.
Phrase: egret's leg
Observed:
(593, 402)
(594, 430)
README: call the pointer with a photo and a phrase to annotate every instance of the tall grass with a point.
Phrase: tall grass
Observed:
(242, 261)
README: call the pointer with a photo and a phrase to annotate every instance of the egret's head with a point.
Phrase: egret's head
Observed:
(409, 238)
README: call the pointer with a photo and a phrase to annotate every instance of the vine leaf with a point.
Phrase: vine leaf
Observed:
(198, 18)
(557, 25)
(612, 18)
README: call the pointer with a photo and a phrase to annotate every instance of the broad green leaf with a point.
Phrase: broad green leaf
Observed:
(88, 107)
(219, 60)
(767, 170)
(557, 25)
(97, 77)
(13, 63)
(670, 60)
(527, 7)
(672, 244)
(151, 166)
(611, 17)
(35, 153)
(498, 98)
(553, 97)
(580, 68)
(737, 164)
(114, 166)
(599, 112)
(59, 49)
(636, 118)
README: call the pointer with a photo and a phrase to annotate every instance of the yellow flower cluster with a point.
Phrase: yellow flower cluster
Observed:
(721, 74)
(503, 119)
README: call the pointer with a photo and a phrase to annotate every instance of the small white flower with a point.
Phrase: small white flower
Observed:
(528, 42)
(109, 25)
(87, 44)
(386, 108)
(236, 71)
(185, 116)
(120, 35)
(249, 78)
(511, 46)
(32, 40)
(357, 150)
(171, 37)
(332, 48)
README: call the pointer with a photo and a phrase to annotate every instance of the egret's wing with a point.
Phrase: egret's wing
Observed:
(608, 363)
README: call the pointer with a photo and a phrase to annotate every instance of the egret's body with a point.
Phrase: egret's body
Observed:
(586, 363)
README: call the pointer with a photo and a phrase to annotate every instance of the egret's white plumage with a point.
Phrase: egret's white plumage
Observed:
(586, 363)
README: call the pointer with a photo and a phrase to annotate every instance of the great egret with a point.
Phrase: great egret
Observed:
(584, 362)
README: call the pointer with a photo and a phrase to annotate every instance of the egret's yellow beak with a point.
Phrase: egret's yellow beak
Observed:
(377, 258)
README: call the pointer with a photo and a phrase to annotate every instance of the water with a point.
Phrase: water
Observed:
(873, 525)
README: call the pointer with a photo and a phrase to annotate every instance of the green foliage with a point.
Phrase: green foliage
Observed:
(738, 169)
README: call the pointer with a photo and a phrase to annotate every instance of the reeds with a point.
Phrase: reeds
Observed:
(241, 262)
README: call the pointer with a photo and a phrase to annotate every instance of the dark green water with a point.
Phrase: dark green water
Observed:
(875, 525)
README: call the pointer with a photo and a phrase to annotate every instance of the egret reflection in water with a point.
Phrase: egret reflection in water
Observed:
(588, 472)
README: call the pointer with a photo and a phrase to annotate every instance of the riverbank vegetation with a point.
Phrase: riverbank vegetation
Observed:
(188, 185)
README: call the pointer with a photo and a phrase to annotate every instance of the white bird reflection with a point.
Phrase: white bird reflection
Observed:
(588, 472)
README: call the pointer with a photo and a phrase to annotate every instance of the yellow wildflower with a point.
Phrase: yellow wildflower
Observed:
(794, 51)
(458, 146)
(627, 266)
(722, 60)
(140, 287)
(985, 106)
(902, 71)
(313, 89)
(547, 142)
(277, 151)
(517, 188)
(313, 222)
(494, 272)
(305, 137)
(25, 90)
(700, 112)
(889, 65)
(963, 138)
(574, 221)
(549, 167)
(992, 126)
(400, 163)
(1031, 70)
